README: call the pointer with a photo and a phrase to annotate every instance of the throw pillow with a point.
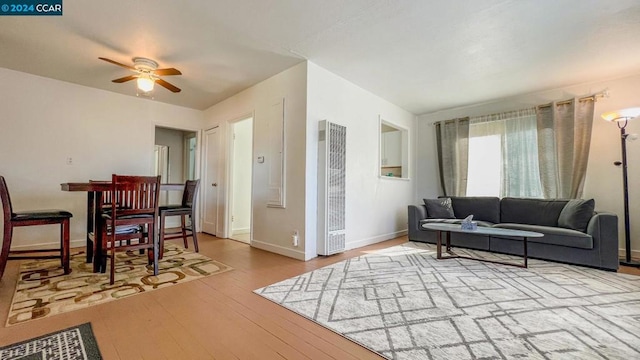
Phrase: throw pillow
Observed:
(576, 214)
(439, 208)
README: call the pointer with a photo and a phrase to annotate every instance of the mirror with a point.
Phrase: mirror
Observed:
(393, 150)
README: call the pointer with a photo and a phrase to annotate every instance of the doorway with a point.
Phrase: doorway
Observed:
(240, 179)
(175, 162)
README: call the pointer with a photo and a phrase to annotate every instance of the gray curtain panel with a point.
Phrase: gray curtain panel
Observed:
(452, 138)
(564, 138)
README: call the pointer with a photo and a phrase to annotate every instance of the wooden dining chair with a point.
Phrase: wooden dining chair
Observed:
(101, 205)
(32, 218)
(130, 222)
(184, 209)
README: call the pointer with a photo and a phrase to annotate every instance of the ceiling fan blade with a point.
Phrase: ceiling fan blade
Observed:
(124, 79)
(117, 63)
(167, 71)
(168, 86)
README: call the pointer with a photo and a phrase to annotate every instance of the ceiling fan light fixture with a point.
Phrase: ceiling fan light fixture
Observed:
(145, 83)
(147, 74)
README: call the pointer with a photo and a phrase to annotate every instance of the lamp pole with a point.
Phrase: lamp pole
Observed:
(621, 118)
(625, 186)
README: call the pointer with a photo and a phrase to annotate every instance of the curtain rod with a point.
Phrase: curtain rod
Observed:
(594, 97)
(452, 120)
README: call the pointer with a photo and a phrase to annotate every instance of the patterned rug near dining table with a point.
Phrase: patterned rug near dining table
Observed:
(44, 290)
(403, 303)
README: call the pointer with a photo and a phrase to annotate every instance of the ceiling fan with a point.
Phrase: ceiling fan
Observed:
(147, 74)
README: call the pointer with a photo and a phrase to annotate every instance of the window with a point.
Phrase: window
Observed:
(503, 155)
(485, 163)
(394, 151)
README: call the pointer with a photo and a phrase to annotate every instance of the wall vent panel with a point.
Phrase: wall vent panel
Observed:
(332, 149)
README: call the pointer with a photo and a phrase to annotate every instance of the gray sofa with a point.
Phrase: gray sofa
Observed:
(596, 245)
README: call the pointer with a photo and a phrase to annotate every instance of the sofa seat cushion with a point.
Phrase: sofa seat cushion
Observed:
(553, 235)
(452, 221)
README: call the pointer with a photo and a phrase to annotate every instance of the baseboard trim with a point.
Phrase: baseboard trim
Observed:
(374, 240)
(77, 243)
(634, 253)
(240, 231)
(281, 250)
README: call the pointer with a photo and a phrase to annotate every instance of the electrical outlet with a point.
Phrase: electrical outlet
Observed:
(69, 161)
(294, 237)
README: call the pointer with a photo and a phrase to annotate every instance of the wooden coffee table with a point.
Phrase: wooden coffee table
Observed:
(490, 231)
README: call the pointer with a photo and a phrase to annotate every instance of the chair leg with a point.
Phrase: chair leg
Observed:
(183, 223)
(89, 250)
(64, 243)
(112, 274)
(6, 245)
(193, 230)
(161, 236)
(100, 248)
(91, 225)
(156, 252)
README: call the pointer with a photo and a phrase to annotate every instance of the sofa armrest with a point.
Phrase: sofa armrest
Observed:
(603, 227)
(416, 213)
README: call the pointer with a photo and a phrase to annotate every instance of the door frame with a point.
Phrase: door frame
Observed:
(229, 172)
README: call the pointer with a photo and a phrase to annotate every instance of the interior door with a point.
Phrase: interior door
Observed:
(210, 215)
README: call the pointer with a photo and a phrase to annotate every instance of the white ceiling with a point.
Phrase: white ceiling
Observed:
(422, 55)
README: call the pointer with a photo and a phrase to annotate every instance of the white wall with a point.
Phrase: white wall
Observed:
(45, 121)
(376, 207)
(272, 227)
(603, 181)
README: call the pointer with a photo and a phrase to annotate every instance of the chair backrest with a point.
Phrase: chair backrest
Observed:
(7, 210)
(190, 192)
(135, 194)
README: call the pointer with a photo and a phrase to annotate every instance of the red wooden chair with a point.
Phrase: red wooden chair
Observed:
(32, 218)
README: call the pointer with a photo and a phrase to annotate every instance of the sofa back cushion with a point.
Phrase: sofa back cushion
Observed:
(483, 208)
(439, 208)
(543, 212)
(576, 214)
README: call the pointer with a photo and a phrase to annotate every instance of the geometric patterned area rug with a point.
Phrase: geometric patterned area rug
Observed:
(403, 303)
(73, 343)
(44, 290)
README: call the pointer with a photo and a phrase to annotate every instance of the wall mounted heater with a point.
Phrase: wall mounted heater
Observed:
(332, 150)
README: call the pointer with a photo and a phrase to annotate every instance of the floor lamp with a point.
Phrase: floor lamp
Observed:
(621, 118)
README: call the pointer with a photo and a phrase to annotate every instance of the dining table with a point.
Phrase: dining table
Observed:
(94, 190)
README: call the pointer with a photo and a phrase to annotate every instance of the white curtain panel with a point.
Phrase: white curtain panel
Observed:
(520, 151)
(564, 138)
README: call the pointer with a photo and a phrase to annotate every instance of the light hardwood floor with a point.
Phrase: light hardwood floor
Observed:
(217, 317)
